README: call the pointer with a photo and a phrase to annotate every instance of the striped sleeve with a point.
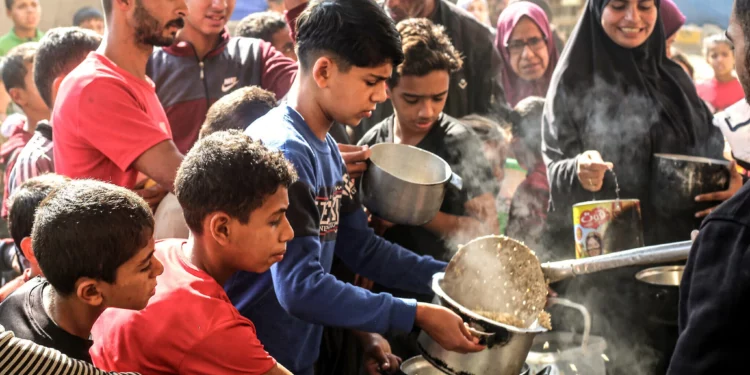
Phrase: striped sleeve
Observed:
(23, 357)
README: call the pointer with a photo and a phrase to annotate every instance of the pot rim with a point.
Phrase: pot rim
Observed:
(397, 145)
(535, 327)
(606, 201)
(655, 271)
(693, 159)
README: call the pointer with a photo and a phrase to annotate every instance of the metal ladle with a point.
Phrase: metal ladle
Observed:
(564, 269)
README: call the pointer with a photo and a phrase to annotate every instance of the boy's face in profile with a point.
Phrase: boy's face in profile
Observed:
(135, 282)
(256, 245)
(25, 14)
(28, 98)
(348, 97)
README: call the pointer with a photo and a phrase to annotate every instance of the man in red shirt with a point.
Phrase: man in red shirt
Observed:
(724, 89)
(109, 124)
(236, 224)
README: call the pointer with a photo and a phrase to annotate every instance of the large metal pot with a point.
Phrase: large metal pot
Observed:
(420, 366)
(406, 185)
(677, 179)
(507, 346)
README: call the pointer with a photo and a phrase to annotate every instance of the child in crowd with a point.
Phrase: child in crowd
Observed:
(418, 89)
(236, 224)
(271, 27)
(61, 50)
(18, 74)
(93, 242)
(347, 50)
(528, 209)
(238, 110)
(89, 18)
(22, 205)
(25, 15)
(724, 89)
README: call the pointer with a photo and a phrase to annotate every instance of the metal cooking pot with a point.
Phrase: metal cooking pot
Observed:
(420, 366)
(677, 179)
(405, 184)
(507, 346)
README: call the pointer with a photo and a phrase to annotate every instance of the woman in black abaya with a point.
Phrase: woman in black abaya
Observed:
(615, 100)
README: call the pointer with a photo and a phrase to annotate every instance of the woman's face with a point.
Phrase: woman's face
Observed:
(592, 247)
(529, 56)
(629, 23)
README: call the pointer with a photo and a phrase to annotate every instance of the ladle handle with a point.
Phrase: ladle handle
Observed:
(671, 252)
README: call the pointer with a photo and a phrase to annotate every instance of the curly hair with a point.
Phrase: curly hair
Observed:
(426, 48)
(229, 172)
(261, 25)
(237, 110)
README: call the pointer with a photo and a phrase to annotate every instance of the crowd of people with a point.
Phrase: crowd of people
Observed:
(184, 199)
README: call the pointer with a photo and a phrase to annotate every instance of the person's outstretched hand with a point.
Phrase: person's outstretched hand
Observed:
(446, 328)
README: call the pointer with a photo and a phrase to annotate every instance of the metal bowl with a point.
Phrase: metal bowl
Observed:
(662, 276)
(406, 185)
(420, 366)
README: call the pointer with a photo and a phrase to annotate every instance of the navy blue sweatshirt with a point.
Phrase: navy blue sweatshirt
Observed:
(291, 303)
(715, 294)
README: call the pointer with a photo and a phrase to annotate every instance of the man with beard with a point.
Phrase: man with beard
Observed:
(715, 287)
(206, 63)
(109, 124)
(476, 88)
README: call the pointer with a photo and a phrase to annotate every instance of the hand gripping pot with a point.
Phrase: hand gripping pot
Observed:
(406, 185)
(507, 346)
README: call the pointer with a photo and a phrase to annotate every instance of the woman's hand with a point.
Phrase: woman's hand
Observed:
(735, 183)
(591, 170)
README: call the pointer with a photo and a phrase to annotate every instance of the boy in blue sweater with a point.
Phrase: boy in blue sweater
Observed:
(347, 50)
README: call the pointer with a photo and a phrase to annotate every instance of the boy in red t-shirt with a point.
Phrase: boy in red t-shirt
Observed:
(724, 89)
(236, 223)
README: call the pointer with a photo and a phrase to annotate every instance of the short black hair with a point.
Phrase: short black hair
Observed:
(427, 48)
(229, 172)
(26, 199)
(351, 32)
(89, 228)
(60, 51)
(14, 68)
(261, 25)
(238, 110)
(86, 14)
(9, 4)
(682, 59)
(527, 126)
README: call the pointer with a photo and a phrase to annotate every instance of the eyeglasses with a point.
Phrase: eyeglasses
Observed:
(516, 47)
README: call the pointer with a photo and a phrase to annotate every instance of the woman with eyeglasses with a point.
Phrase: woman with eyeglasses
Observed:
(616, 100)
(524, 38)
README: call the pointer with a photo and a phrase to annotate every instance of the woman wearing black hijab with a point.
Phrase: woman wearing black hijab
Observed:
(615, 96)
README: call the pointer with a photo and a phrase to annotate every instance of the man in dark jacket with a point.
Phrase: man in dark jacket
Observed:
(205, 64)
(715, 289)
(475, 89)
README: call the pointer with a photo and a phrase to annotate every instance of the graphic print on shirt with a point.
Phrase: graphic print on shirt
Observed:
(229, 83)
(329, 203)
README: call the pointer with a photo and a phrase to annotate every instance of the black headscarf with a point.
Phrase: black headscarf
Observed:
(644, 70)
(628, 104)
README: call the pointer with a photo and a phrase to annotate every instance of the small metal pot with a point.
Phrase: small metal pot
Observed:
(406, 185)
(507, 346)
(677, 179)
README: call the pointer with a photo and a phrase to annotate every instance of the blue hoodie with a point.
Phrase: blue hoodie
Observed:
(291, 303)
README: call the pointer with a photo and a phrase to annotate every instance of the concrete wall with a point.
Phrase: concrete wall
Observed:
(54, 13)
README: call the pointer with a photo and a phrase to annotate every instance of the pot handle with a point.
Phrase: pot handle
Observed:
(583, 310)
(456, 182)
(485, 338)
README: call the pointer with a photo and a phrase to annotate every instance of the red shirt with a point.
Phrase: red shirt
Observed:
(720, 94)
(189, 327)
(105, 118)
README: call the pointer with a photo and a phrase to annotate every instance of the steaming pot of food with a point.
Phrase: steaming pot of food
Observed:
(677, 179)
(507, 346)
(406, 185)
(420, 366)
